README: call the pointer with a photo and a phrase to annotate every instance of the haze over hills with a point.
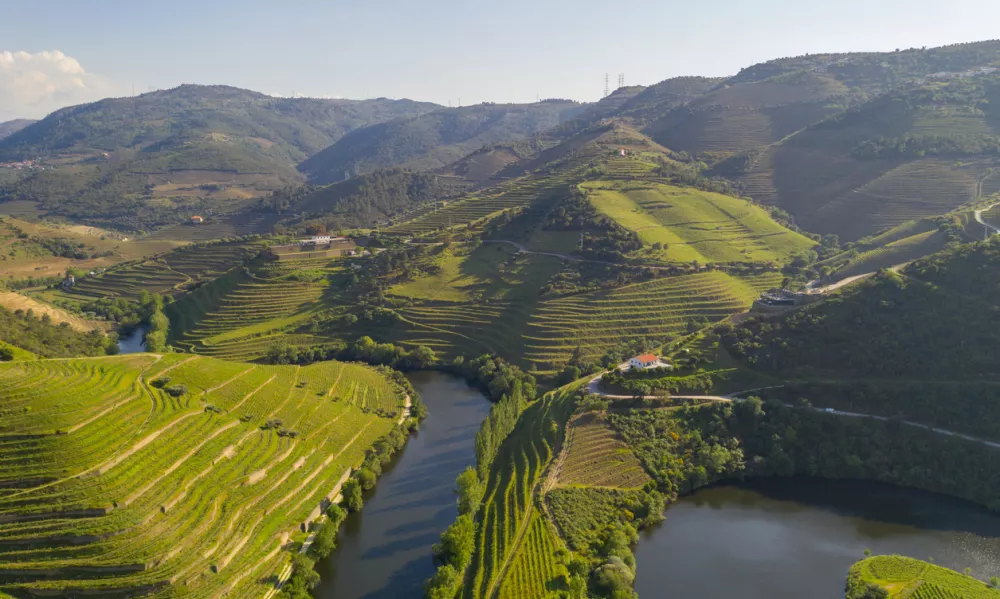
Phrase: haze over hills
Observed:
(434, 140)
(8, 128)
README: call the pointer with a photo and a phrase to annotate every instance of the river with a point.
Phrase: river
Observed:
(385, 550)
(134, 342)
(793, 538)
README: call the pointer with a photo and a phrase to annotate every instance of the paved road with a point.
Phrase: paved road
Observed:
(593, 387)
(979, 219)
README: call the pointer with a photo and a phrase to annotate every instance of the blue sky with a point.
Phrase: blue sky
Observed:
(436, 50)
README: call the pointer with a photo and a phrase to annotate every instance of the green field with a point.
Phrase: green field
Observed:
(905, 577)
(694, 224)
(114, 486)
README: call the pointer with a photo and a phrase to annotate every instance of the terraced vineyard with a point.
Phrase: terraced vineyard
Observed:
(239, 316)
(915, 579)
(908, 192)
(596, 457)
(654, 309)
(695, 225)
(114, 486)
(221, 227)
(508, 540)
(166, 274)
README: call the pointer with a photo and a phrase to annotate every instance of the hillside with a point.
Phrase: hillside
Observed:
(915, 152)
(166, 475)
(906, 577)
(434, 140)
(138, 162)
(917, 345)
(369, 199)
(8, 128)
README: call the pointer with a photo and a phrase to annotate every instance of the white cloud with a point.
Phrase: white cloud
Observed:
(33, 85)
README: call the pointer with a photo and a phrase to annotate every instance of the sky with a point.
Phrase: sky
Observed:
(55, 53)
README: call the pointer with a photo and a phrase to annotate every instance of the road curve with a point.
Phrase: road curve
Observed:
(593, 387)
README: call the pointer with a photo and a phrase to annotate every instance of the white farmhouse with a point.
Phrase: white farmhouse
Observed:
(644, 361)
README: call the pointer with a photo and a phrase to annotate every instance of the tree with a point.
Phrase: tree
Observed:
(325, 540)
(470, 491)
(156, 341)
(6, 354)
(457, 544)
(352, 495)
(443, 584)
(304, 578)
(366, 478)
(158, 321)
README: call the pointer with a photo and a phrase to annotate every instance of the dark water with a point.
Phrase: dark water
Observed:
(793, 538)
(385, 551)
(134, 342)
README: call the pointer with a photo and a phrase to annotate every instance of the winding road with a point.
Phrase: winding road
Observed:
(979, 219)
(594, 388)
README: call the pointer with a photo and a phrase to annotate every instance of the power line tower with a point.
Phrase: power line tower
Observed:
(621, 80)
(606, 90)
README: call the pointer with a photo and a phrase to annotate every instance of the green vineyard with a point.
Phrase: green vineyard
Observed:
(534, 570)
(240, 315)
(508, 541)
(691, 224)
(905, 577)
(596, 456)
(163, 475)
(169, 274)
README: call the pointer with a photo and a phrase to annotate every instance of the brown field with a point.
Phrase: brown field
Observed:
(15, 301)
(20, 265)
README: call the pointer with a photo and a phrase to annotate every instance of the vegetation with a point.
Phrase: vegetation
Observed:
(40, 336)
(135, 163)
(887, 576)
(198, 493)
(433, 140)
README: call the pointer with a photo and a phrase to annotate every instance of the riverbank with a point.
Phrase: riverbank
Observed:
(385, 550)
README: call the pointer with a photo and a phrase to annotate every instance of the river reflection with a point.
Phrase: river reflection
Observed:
(793, 538)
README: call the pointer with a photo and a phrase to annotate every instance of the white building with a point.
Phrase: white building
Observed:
(644, 361)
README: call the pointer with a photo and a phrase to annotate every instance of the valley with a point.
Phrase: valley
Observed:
(714, 298)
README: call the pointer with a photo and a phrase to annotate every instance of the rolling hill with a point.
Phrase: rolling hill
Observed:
(8, 128)
(434, 140)
(173, 475)
(912, 153)
(156, 158)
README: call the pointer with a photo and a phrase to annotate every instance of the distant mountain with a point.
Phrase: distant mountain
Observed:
(149, 160)
(434, 140)
(918, 151)
(10, 127)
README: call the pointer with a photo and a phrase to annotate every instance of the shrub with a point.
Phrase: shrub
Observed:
(160, 382)
(176, 390)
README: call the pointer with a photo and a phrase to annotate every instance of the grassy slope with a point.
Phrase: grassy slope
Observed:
(696, 225)
(907, 577)
(142, 490)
